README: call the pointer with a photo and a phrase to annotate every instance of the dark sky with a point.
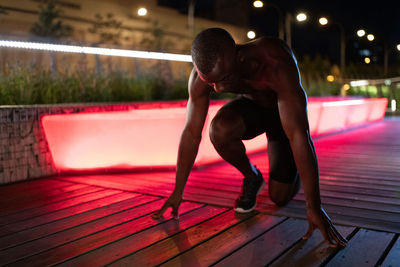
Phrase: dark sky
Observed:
(381, 18)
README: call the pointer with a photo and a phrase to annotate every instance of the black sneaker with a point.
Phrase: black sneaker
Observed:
(250, 189)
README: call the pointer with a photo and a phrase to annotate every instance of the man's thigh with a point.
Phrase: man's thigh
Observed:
(253, 117)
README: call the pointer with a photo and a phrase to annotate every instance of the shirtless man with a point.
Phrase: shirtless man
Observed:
(270, 100)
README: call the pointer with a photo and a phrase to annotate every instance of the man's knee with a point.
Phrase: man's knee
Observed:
(281, 193)
(279, 199)
(223, 128)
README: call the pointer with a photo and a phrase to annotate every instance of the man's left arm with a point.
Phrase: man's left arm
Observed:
(292, 104)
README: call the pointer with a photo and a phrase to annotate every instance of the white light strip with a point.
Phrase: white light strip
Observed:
(359, 83)
(393, 105)
(95, 50)
(343, 103)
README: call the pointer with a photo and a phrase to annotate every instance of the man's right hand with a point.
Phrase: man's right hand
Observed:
(174, 201)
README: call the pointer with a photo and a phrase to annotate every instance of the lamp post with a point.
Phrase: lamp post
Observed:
(260, 4)
(386, 51)
(324, 21)
(300, 17)
(192, 4)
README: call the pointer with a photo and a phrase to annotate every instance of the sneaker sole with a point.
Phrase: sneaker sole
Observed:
(240, 210)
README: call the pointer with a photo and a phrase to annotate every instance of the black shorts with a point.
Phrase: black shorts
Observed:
(259, 120)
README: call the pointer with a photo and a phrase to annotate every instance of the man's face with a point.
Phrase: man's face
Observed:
(222, 75)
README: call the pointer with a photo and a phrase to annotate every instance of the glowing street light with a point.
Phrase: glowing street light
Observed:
(398, 47)
(258, 4)
(367, 60)
(330, 78)
(142, 12)
(323, 21)
(251, 34)
(370, 37)
(360, 33)
(301, 17)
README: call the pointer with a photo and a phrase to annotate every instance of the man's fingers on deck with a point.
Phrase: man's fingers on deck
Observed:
(339, 238)
(175, 213)
(310, 231)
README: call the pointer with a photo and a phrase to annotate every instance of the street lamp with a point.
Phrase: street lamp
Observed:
(360, 33)
(142, 11)
(258, 4)
(398, 47)
(324, 21)
(251, 34)
(301, 17)
(370, 37)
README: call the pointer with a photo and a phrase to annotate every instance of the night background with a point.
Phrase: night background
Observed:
(380, 18)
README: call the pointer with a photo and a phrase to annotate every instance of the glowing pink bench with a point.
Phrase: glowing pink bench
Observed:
(148, 136)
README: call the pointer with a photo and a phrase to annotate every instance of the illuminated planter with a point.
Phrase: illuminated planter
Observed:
(149, 136)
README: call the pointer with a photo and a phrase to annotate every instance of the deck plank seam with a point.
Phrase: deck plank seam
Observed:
(15, 261)
(251, 240)
(283, 252)
(29, 218)
(134, 252)
(52, 202)
(337, 249)
(211, 237)
(78, 225)
(387, 250)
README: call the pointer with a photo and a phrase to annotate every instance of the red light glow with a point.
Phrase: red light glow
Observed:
(148, 137)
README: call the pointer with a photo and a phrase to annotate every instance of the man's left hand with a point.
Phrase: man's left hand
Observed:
(317, 218)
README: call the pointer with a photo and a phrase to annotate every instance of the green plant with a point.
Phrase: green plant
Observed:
(49, 24)
(108, 29)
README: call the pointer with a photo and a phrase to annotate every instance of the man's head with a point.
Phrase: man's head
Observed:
(213, 52)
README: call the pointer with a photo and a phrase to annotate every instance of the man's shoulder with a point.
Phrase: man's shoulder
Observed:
(197, 87)
(276, 49)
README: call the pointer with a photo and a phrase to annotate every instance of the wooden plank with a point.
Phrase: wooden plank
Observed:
(311, 252)
(191, 227)
(393, 257)
(136, 186)
(268, 246)
(361, 204)
(352, 197)
(110, 205)
(364, 249)
(25, 195)
(38, 211)
(32, 185)
(342, 215)
(225, 243)
(175, 245)
(89, 236)
(71, 234)
(44, 219)
(361, 191)
(19, 205)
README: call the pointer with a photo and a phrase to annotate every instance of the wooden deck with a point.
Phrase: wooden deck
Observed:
(97, 220)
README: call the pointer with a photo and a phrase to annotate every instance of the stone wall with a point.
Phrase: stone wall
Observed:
(24, 152)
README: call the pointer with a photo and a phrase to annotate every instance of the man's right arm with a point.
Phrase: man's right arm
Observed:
(197, 108)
